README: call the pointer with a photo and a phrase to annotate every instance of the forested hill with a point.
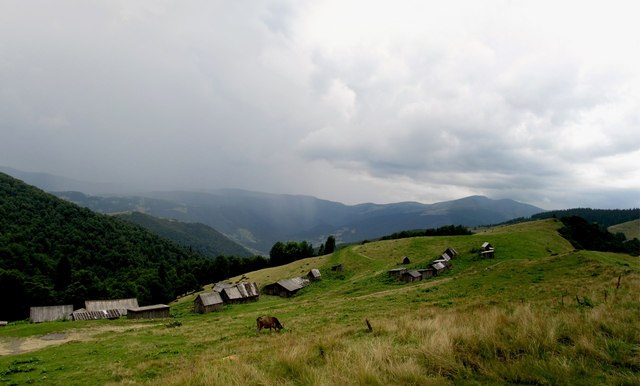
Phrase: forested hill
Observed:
(199, 237)
(603, 217)
(54, 252)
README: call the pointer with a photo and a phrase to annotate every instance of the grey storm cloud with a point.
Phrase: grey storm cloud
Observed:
(347, 100)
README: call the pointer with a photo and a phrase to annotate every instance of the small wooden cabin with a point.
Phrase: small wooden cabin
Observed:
(451, 252)
(208, 302)
(487, 250)
(406, 260)
(122, 305)
(314, 275)
(240, 293)
(427, 272)
(438, 268)
(411, 276)
(156, 311)
(397, 272)
(286, 287)
(50, 313)
(83, 314)
(337, 268)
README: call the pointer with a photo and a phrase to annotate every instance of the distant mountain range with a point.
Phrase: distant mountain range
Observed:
(257, 220)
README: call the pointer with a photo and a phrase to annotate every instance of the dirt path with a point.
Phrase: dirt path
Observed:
(16, 345)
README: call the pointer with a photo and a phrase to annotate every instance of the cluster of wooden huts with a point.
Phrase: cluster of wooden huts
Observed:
(99, 309)
(225, 293)
(436, 267)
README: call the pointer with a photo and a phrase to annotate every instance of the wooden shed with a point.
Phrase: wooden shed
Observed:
(438, 268)
(286, 287)
(406, 260)
(451, 252)
(156, 311)
(122, 305)
(427, 272)
(487, 250)
(411, 275)
(50, 313)
(240, 293)
(314, 275)
(445, 257)
(446, 263)
(208, 302)
(397, 272)
(337, 268)
(83, 314)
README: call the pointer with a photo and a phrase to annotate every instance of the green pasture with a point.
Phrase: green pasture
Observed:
(537, 313)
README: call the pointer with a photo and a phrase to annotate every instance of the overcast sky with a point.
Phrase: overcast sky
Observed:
(352, 101)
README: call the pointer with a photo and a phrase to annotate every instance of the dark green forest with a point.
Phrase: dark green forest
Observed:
(584, 235)
(55, 252)
(447, 230)
(199, 237)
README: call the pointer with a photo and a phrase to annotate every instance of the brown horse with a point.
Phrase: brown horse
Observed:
(269, 322)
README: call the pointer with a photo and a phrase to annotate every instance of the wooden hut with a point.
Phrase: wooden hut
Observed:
(411, 276)
(156, 311)
(240, 293)
(122, 305)
(83, 314)
(218, 287)
(3, 323)
(487, 250)
(337, 268)
(451, 252)
(427, 272)
(314, 275)
(446, 263)
(50, 313)
(397, 272)
(208, 302)
(286, 287)
(438, 268)
(406, 260)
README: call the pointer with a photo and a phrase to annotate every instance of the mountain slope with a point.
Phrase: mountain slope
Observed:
(52, 251)
(199, 237)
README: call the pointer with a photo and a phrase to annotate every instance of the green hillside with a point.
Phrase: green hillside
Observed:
(197, 236)
(538, 313)
(54, 252)
(631, 229)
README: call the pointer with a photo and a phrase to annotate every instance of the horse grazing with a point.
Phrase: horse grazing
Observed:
(269, 322)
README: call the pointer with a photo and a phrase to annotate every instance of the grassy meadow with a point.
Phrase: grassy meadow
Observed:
(537, 313)
(631, 229)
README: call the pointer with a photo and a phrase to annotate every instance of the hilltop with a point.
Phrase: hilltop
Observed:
(540, 312)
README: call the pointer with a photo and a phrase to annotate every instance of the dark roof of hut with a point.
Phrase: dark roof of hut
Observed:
(438, 265)
(210, 298)
(412, 273)
(150, 308)
(115, 304)
(293, 284)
